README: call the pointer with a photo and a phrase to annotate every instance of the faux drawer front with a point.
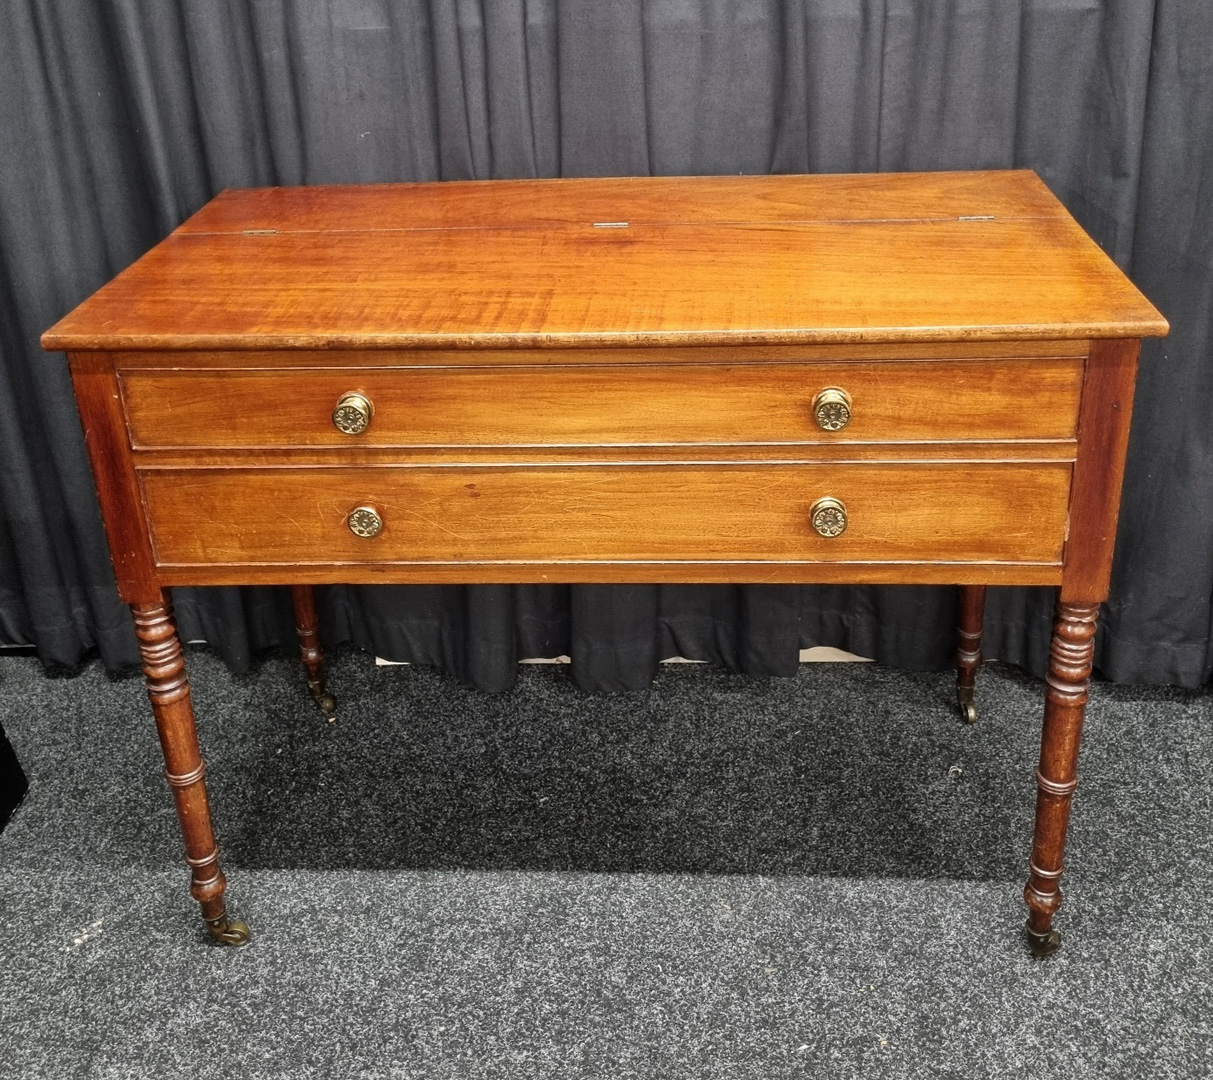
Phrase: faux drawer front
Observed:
(606, 405)
(570, 514)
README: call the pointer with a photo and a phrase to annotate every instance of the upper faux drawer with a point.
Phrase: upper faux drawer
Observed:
(606, 405)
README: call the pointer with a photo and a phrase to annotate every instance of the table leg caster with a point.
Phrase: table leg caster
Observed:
(324, 700)
(228, 931)
(968, 707)
(1045, 944)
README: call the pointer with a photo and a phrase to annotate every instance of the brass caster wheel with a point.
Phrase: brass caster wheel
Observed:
(228, 931)
(326, 703)
(1043, 944)
(968, 709)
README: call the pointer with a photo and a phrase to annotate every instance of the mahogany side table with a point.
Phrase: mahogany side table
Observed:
(916, 378)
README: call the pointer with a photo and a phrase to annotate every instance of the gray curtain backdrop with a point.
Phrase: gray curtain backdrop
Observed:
(119, 118)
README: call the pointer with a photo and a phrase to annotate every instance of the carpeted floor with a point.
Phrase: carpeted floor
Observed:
(718, 877)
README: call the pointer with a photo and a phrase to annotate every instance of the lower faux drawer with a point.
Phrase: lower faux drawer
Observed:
(592, 514)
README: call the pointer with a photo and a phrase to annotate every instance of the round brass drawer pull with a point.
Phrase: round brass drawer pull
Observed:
(829, 517)
(352, 413)
(364, 521)
(832, 409)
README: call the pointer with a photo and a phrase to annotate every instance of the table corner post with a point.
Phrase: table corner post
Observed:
(1105, 410)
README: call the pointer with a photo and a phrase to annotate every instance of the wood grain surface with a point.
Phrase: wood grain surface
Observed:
(655, 200)
(606, 405)
(685, 513)
(678, 262)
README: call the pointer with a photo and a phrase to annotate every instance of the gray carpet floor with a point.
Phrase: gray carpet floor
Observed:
(721, 876)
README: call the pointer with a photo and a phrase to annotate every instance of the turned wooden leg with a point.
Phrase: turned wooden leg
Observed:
(1069, 678)
(310, 651)
(169, 691)
(968, 648)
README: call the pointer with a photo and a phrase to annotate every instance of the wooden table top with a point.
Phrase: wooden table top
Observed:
(756, 260)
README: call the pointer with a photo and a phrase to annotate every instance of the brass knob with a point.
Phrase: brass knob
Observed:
(832, 409)
(352, 413)
(364, 521)
(829, 517)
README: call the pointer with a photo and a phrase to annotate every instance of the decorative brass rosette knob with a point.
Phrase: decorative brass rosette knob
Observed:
(829, 517)
(832, 409)
(352, 413)
(364, 521)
